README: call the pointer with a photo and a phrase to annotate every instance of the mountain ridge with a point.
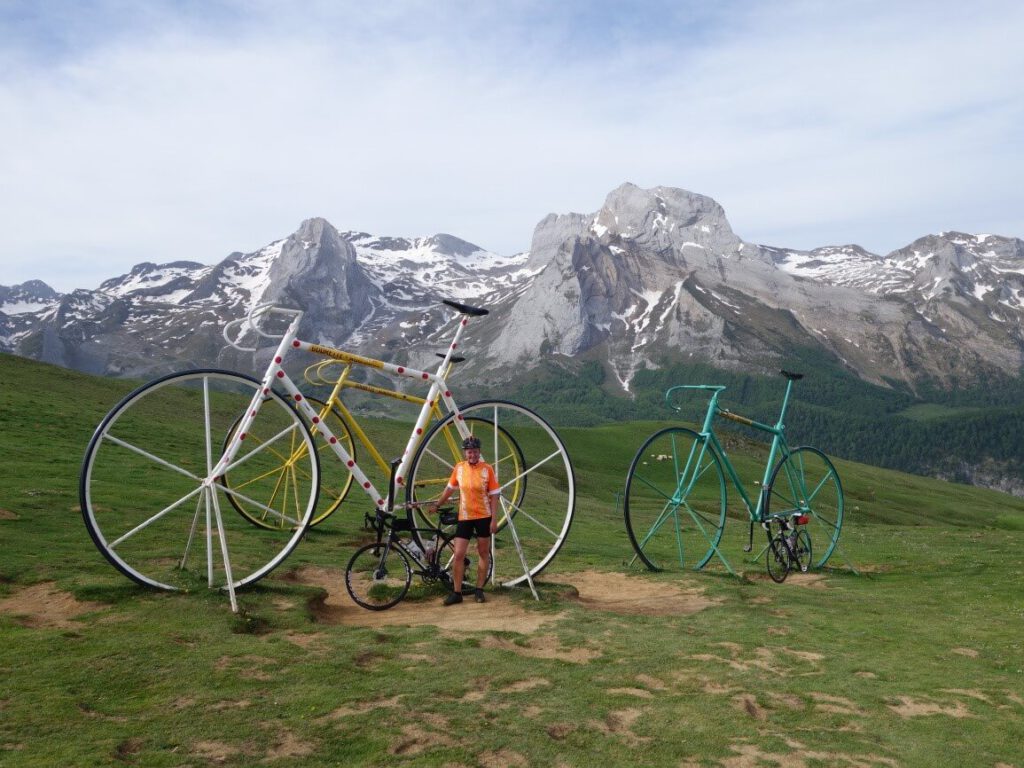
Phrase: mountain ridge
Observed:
(653, 273)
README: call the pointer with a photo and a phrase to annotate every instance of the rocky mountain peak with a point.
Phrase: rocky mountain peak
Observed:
(30, 292)
(630, 211)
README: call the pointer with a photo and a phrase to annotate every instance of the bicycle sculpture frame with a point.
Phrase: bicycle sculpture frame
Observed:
(676, 495)
(161, 463)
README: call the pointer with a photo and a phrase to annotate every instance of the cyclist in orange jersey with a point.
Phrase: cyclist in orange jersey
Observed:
(478, 515)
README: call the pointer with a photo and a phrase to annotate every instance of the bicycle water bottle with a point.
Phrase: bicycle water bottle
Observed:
(414, 550)
(428, 553)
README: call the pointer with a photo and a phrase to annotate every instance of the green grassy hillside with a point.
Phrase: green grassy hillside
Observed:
(908, 651)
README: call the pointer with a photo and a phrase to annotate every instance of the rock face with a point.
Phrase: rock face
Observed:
(655, 274)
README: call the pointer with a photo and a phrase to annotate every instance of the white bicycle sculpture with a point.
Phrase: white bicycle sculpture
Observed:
(221, 468)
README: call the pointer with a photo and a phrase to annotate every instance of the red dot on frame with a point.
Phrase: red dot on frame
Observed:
(454, 345)
(401, 369)
(399, 480)
(266, 391)
(298, 398)
(277, 359)
(447, 393)
(295, 343)
(316, 419)
(366, 485)
(460, 417)
(280, 374)
(351, 463)
(334, 440)
(419, 431)
(426, 375)
(242, 436)
(465, 322)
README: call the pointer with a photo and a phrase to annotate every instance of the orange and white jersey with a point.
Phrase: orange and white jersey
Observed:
(475, 483)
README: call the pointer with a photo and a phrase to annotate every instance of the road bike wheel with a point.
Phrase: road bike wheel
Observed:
(378, 576)
(777, 558)
(803, 551)
(446, 561)
(441, 450)
(146, 499)
(806, 482)
(289, 460)
(521, 447)
(675, 500)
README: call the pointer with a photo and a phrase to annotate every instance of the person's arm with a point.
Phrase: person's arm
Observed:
(445, 495)
(493, 499)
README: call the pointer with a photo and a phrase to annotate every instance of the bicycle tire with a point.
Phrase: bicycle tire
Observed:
(541, 511)
(806, 482)
(803, 551)
(378, 576)
(777, 558)
(144, 489)
(330, 497)
(676, 476)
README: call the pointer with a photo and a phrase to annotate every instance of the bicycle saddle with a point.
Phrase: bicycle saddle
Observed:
(465, 308)
(792, 376)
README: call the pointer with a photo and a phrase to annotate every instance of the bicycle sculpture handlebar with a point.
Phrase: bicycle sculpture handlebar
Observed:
(252, 323)
(708, 387)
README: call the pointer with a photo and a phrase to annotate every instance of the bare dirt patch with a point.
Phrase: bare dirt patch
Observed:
(216, 751)
(503, 758)
(499, 614)
(640, 693)
(767, 659)
(620, 724)
(44, 606)
(526, 685)
(752, 756)
(910, 707)
(358, 709)
(288, 745)
(630, 595)
(968, 652)
(6, 514)
(415, 739)
(835, 704)
(543, 647)
(806, 580)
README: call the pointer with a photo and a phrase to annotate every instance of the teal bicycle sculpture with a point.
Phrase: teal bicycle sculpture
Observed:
(676, 495)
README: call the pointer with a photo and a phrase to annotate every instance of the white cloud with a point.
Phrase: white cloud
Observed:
(170, 138)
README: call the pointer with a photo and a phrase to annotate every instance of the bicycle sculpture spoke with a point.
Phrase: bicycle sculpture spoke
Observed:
(537, 483)
(290, 464)
(152, 454)
(676, 476)
(787, 493)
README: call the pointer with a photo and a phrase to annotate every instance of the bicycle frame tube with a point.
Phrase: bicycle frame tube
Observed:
(437, 394)
(778, 444)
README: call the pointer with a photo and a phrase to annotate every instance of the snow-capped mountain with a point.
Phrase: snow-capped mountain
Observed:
(654, 275)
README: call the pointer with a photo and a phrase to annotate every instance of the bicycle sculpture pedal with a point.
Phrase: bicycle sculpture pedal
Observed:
(676, 495)
(161, 465)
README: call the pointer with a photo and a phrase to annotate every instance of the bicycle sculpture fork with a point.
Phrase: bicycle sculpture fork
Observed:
(676, 494)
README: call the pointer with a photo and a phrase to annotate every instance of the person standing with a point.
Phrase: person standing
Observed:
(478, 515)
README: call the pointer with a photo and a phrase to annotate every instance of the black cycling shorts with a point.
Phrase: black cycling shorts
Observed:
(465, 529)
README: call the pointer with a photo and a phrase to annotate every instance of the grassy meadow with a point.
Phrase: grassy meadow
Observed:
(908, 650)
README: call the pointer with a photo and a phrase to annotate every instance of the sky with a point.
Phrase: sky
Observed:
(164, 131)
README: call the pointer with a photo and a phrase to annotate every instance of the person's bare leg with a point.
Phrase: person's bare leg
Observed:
(459, 567)
(483, 549)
